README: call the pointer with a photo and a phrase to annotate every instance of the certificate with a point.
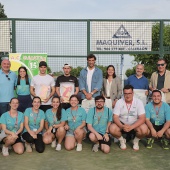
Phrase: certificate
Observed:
(66, 90)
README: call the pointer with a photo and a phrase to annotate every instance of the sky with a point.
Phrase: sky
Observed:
(88, 9)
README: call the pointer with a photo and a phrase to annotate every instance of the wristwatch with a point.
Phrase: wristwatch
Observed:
(91, 93)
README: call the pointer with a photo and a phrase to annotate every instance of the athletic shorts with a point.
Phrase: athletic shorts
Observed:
(70, 132)
(102, 141)
(157, 128)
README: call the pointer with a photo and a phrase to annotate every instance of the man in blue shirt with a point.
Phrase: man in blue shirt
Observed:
(158, 120)
(7, 84)
(98, 121)
(138, 80)
(90, 80)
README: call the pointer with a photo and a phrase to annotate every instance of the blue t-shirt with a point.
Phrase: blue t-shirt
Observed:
(7, 84)
(163, 115)
(12, 123)
(100, 125)
(141, 83)
(23, 88)
(34, 119)
(51, 118)
(75, 117)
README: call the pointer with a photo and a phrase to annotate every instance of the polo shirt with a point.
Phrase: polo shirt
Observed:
(7, 86)
(141, 83)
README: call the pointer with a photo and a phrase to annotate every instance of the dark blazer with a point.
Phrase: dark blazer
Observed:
(116, 88)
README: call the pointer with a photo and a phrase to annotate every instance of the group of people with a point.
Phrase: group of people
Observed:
(48, 112)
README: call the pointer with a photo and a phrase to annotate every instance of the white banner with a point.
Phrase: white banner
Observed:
(140, 94)
(121, 36)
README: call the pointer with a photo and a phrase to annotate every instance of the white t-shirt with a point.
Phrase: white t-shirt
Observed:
(89, 78)
(42, 85)
(129, 114)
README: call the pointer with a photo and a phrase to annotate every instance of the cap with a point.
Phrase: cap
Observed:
(66, 65)
(42, 63)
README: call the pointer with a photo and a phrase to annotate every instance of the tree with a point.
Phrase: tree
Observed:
(2, 11)
(149, 60)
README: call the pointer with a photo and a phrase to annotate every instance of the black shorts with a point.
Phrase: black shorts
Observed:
(157, 128)
(18, 140)
(101, 141)
(53, 131)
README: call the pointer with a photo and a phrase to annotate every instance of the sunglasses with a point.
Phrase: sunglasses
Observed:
(160, 64)
(8, 77)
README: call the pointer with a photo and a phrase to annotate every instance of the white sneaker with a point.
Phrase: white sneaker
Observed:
(5, 151)
(136, 144)
(28, 147)
(95, 147)
(53, 144)
(123, 144)
(79, 147)
(58, 148)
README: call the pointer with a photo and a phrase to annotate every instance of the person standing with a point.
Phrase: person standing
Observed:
(7, 85)
(23, 89)
(112, 86)
(138, 80)
(91, 79)
(66, 85)
(161, 80)
(43, 85)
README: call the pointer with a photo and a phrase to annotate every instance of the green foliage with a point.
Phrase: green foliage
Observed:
(76, 71)
(2, 12)
(129, 72)
(149, 60)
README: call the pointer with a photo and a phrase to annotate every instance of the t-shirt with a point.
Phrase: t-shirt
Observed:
(67, 86)
(34, 119)
(42, 85)
(12, 123)
(89, 78)
(129, 114)
(51, 118)
(74, 117)
(23, 88)
(100, 125)
(163, 113)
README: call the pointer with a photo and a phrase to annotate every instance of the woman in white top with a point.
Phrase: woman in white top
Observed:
(112, 86)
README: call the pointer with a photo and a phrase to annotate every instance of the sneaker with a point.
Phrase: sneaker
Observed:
(58, 148)
(79, 147)
(28, 147)
(5, 151)
(136, 144)
(149, 143)
(123, 144)
(53, 144)
(165, 143)
(95, 147)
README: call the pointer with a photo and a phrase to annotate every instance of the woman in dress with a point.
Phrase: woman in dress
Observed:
(112, 86)
(76, 132)
(23, 89)
(54, 124)
(34, 124)
(12, 124)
